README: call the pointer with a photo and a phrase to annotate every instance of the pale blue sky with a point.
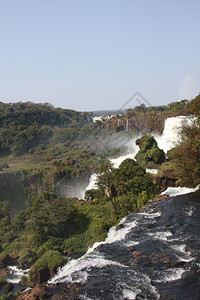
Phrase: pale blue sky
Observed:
(94, 54)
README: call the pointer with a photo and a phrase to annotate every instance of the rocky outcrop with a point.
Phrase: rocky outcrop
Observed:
(142, 122)
(37, 293)
(43, 275)
(4, 272)
(8, 287)
(53, 292)
(8, 261)
(167, 179)
(159, 260)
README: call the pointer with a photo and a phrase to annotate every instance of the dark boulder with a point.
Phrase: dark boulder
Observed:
(167, 179)
(39, 292)
(8, 287)
(42, 275)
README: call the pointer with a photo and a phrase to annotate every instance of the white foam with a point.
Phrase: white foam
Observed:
(170, 275)
(117, 161)
(171, 132)
(184, 255)
(151, 215)
(16, 274)
(129, 294)
(87, 261)
(161, 235)
(75, 270)
(152, 171)
(115, 235)
(175, 191)
(92, 182)
(190, 211)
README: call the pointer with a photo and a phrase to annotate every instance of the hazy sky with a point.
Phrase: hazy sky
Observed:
(94, 54)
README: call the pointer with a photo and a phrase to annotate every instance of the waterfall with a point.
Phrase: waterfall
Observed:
(91, 185)
(171, 133)
(131, 262)
(166, 141)
(108, 266)
(116, 163)
(127, 126)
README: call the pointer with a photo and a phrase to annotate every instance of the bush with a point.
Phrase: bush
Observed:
(2, 280)
(27, 255)
(149, 151)
(23, 278)
(75, 244)
(52, 259)
(186, 156)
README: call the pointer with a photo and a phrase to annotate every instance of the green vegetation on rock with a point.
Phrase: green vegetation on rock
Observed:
(149, 152)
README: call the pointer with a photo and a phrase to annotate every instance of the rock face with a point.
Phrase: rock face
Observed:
(4, 272)
(53, 292)
(166, 180)
(37, 293)
(8, 287)
(4, 262)
(42, 275)
(153, 254)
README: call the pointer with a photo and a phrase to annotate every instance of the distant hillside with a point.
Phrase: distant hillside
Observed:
(97, 113)
(43, 114)
(27, 127)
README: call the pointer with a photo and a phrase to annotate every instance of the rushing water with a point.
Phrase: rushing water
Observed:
(166, 141)
(16, 274)
(147, 256)
(171, 132)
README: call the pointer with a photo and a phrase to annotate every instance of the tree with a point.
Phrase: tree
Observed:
(194, 106)
(105, 175)
(50, 216)
(186, 156)
(149, 151)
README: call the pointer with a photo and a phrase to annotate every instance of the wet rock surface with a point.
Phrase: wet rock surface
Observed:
(39, 292)
(168, 179)
(154, 254)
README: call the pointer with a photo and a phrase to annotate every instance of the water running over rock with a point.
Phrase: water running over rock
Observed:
(149, 255)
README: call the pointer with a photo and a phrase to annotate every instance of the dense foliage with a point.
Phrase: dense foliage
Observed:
(149, 151)
(43, 114)
(186, 156)
(193, 106)
(128, 187)
(27, 127)
(70, 226)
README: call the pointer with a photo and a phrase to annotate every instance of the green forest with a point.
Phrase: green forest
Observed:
(41, 145)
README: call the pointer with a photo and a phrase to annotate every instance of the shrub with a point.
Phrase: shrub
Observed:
(2, 280)
(23, 278)
(52, 259)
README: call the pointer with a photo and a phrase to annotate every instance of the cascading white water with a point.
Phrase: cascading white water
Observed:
(80, 270)
(171, 133)
(92, 184)
(175, 191)
(116, 163)
(16, 274)
(166, 141)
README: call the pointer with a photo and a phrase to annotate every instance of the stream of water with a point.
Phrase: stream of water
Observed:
(144, 255)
